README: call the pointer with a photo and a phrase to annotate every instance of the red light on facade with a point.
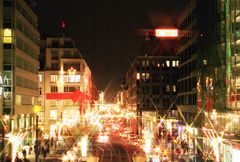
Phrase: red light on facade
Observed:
(63, 24)
(166, 33)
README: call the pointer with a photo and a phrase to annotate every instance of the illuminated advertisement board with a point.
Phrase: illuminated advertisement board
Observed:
(166, 33)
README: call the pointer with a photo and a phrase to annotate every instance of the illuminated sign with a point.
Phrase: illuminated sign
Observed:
(3, 81)
(166, 33)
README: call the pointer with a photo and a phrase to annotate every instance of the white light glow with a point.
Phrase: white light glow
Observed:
(84, 146)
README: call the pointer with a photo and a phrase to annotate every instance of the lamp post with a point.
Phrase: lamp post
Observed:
(36, 109)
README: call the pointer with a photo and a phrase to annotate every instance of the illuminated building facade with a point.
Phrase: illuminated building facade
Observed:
(19, 66)
(67, 86)
(151, 85)
(208, 51)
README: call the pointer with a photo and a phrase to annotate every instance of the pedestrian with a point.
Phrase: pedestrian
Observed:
(30, 150)
(52, 141)
(8, 159)
(24, 152)
(17, 159)
(44, 152)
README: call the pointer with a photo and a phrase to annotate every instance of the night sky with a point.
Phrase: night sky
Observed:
(106, 31)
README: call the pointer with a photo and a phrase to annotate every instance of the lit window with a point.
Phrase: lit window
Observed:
(7, 32)
(177, 63)
(7, 40)
(138, 76)
(18, 99)
(77, 78)
(7, 36)
(27, 122)
(53, 78)
(53, 114)
(65, 78)
(174, 88)
(143, 75)
(53, 103)
(205, 62)
(147, 76)
(74, 78)
(168, 63)
(168, 88)
(40, 78)
(174, 63)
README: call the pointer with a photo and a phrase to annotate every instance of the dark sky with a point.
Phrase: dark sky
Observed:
(106, 31)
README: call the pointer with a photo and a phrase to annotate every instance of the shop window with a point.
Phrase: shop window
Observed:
(53, 114)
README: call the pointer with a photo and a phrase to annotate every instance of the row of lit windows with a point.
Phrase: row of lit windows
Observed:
(55, 103)
(7, 36)
(25, 100)
(167, 63)
(23, 64)
(26, 48)
(143, 76)
(25, 30)
(65, 78)
(66, 89)
(156, 77)
(25, 122)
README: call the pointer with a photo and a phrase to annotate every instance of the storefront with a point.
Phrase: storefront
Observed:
(231, 151)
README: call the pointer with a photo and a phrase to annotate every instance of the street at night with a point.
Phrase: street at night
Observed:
(119, 80)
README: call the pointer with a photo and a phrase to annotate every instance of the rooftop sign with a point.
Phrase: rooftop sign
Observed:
(166, 33)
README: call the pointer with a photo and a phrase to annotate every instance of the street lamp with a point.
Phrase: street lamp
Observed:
(36, 109)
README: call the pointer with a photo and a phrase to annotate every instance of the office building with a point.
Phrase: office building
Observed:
(66, 85)
(19, 50)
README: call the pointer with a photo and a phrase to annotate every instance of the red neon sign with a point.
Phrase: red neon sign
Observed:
(74, 96)
(166, 33)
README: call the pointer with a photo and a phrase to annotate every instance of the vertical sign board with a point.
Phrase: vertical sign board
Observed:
(3, 81)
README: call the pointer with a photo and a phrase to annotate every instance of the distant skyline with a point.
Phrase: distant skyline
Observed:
(106, 31)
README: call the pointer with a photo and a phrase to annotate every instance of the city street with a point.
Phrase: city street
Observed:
(119, 80)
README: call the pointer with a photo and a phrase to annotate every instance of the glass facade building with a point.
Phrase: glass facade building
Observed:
(208, 51)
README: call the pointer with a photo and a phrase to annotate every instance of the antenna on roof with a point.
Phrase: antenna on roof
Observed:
(147, 36)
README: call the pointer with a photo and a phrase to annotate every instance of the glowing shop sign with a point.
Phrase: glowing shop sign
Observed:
(166, 32)
(3, 81)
